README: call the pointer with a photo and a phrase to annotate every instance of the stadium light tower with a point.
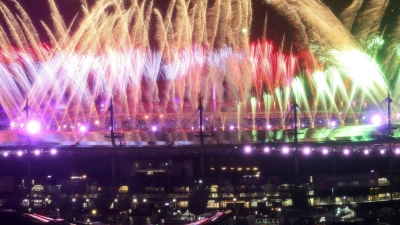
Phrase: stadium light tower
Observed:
(201, 134)
(389, 125)
(112, 135)
(26, 108)
(32, 128)
(294, 108)
(112, 122)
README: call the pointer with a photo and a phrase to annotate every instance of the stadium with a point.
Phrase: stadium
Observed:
(112, 88)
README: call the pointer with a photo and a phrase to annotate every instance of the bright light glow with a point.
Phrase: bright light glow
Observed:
(19, 153)
(376, 119)
(153, 128)
(5, 154)
(33, 127)
(269, 126)
(266, 149)
(82, 128)
(325, 151)
(366, 152)
(382, 151)
(97, 122)
(37, 152)
(346, 151)
(231, 127)
(397, 151)
(333, 124)
(349, 72)
(285, 150)
(12, 124)
(144, 200)
(247, 149)
(53, 151)
(306, 151)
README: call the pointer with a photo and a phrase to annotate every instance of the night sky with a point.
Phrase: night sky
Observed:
(277, 26)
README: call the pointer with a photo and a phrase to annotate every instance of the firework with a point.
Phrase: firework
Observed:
(193, 47)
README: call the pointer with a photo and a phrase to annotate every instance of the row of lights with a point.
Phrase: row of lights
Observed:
(259, 200)
(136, 200)
(36, 152)
(325, 151)
(34, 127)
(74, 200)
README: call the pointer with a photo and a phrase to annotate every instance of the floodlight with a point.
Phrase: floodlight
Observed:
(33, 127)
